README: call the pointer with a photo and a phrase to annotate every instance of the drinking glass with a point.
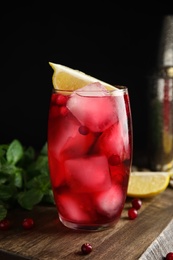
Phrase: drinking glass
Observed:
(90, 154)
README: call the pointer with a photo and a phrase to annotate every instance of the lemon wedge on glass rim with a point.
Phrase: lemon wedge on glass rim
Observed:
(145, 184)
(65, 78)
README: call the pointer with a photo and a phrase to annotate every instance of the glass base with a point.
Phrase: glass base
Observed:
(86, 227)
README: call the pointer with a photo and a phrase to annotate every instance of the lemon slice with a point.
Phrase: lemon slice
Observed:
(65, 78)
(147, 184)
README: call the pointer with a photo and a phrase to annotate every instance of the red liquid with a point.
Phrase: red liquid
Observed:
(89, 152)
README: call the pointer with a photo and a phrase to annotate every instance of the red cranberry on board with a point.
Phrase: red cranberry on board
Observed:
(132, 213)
(86, 248)
(5, 224)
(169, 256)
(28, 223)
(136, 203)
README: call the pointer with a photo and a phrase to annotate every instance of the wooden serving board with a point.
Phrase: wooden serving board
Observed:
(149, 236)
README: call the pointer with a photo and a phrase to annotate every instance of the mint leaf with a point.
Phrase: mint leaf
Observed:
(40, 182)
(30, 198)
(40, 165)
(14, 152)
(18, 177)
(3, 148)
(44, 150)
(11, 174)
(6, 192)
(48, 197)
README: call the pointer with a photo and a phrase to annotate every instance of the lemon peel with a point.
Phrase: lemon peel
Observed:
(145, 184)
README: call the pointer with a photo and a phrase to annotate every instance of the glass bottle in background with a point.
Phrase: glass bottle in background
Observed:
(160, 103)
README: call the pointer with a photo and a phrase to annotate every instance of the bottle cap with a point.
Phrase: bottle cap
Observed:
(165, 54)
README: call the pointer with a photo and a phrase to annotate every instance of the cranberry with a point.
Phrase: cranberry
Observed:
(136, 203)
(5, 224)
(132, 213)
(169, 256)
(63, 110)
(86, 248)
(83, 130)
(61, 100)
(28, 223)
(114, 159)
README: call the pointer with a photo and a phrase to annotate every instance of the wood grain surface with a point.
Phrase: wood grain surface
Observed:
(149, 236)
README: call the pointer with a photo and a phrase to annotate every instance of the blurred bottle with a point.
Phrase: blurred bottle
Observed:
(160, 112)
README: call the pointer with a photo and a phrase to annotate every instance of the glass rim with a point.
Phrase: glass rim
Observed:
(117, 88)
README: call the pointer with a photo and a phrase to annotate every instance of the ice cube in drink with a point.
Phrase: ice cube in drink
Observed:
(96, 109)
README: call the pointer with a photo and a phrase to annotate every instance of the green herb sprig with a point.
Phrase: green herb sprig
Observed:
(24, 177)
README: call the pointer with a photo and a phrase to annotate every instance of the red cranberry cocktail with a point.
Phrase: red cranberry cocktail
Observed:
(90, 154)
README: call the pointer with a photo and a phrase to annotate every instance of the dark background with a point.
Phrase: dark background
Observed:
(119, 47)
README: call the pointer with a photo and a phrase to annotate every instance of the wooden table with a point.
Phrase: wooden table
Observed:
(149, 236)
